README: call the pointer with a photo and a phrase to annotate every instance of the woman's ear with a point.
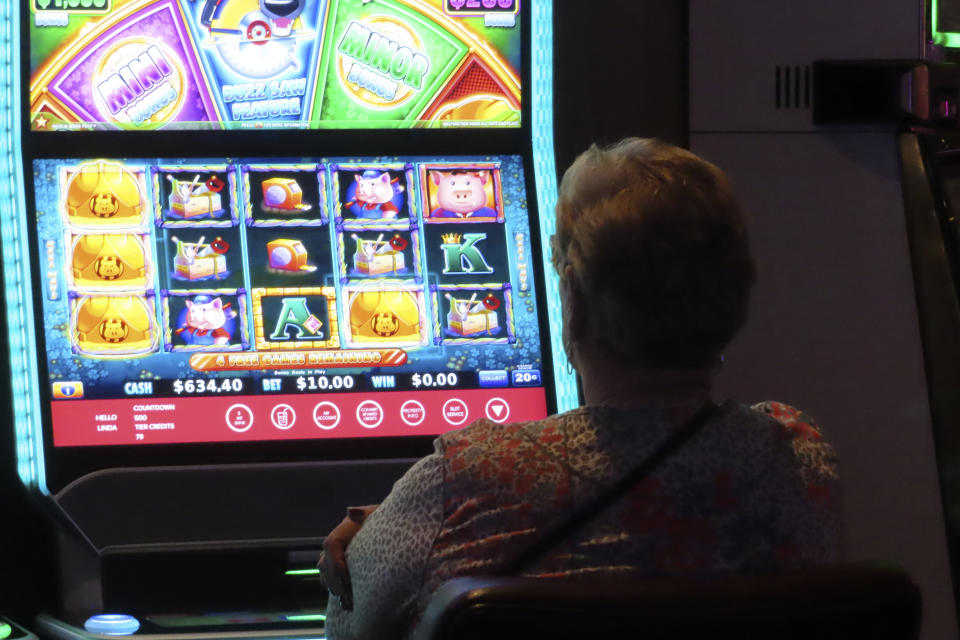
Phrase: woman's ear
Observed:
(573, 305)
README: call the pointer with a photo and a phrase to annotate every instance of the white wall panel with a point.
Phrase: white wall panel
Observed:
(834, 331)
(735, 46)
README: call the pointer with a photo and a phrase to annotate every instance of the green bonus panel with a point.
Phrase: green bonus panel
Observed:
(381, 66)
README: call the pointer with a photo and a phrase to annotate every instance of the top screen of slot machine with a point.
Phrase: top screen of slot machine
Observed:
(298, 64)
(260, 299)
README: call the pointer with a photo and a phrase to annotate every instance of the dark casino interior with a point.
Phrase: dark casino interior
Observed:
(838, 122)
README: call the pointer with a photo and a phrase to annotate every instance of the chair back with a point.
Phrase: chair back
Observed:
(847, 602)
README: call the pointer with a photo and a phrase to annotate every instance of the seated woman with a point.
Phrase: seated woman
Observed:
(655, 274)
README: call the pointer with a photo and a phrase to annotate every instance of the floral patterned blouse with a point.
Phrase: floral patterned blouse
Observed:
(756, 489)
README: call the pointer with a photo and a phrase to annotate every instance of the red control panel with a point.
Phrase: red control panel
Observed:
(288, 416)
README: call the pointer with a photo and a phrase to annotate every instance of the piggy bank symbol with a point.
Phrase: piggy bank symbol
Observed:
(461, 194)
(114, 330)
(385, 324)
(108, 267)
(104, 205)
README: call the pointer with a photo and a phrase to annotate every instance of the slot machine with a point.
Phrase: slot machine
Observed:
(256, 255)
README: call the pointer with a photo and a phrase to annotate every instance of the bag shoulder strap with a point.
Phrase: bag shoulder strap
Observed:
(585, 513)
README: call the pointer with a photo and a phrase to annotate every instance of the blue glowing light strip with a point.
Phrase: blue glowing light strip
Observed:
(16, 269)
(545, 176)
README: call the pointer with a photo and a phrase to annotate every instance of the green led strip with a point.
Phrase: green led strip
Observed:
(941, 38)
(302, 572)
(306, 617)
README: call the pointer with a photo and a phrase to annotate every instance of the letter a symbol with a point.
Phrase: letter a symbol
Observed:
(292, 316)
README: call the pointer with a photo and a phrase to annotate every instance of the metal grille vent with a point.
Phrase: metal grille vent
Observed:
(793, 87)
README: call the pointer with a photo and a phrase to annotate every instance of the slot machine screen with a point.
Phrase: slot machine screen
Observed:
(136, 65)
(231, 300)
(263, 231)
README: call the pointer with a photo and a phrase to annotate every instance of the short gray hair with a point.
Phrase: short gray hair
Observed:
(658, 247)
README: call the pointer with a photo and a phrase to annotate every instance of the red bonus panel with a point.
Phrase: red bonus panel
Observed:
(287, 417)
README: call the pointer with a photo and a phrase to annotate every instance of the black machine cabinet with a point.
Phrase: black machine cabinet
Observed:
(930, 177)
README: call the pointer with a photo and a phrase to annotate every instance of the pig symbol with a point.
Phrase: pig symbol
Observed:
(375, 196)
(206, 321)
(461, 194)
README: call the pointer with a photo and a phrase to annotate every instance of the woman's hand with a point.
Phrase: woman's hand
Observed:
(333, 560)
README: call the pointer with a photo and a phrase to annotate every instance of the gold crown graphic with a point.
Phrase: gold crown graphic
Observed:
(451, 238)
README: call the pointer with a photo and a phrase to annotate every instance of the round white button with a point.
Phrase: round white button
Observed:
(239, 418)
(369, 414)
(497, 410)
(283, 416)
(412, 413)
(326, 415)
(455, 411)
